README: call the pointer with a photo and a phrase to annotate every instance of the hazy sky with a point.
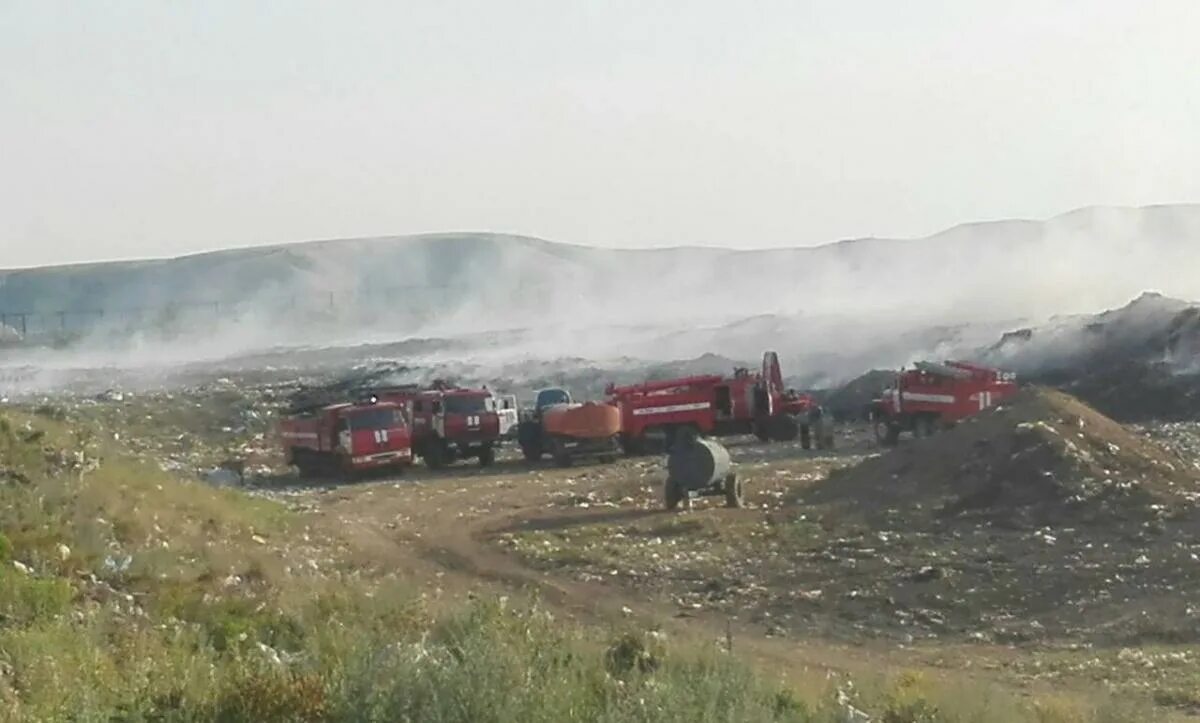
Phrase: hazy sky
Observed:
(157, 128)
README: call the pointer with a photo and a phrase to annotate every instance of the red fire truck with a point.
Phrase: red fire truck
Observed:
(449, 423)
(932, 395)
(346, 438)
(653, 413)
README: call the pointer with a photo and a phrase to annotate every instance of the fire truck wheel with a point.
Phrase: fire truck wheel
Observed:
(434, 455)
(924, 426)
(669, 438)
(733, 491)
(760, 431)
(631, 446)
(886, 433)
(487, 455)
(532, 452)
(303, 462)
(672, 494)
(784, 428)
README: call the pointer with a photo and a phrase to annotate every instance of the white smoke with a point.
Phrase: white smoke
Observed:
(830, 311)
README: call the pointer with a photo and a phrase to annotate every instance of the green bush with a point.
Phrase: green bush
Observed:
(235, 622)
(908, 701)
(25, 599)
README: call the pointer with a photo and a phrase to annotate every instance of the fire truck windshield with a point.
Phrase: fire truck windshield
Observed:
(466, 404)
(374, 419)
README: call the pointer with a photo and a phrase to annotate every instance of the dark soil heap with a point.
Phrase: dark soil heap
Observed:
(1044, 458)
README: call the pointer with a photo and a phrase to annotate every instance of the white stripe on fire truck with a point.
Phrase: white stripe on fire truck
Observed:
(671, 408)
(300, 435)
(935, 398)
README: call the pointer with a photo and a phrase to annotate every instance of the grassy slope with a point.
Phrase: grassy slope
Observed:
(128, 595)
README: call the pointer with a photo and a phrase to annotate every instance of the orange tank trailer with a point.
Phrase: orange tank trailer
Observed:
(590, 420)
(567, 430)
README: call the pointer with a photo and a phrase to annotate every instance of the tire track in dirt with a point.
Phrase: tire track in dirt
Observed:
(461, 556)
(440, 530)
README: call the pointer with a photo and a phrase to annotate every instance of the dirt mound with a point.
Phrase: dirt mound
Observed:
(1043, 459)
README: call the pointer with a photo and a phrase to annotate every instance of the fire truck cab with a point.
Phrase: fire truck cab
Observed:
(450, 423)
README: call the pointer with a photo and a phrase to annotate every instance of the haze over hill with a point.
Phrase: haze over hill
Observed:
(837, 309)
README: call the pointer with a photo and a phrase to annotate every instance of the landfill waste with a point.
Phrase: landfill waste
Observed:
(1043, 459)
(222, 477)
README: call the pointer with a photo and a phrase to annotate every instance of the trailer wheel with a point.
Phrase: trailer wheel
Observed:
(672, 494)
(558, 451)
(733, 491)
(487, 455)
(614, 450)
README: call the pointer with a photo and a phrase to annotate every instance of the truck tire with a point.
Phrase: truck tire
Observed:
(826, 440)
(785, 428)
(558, 450)
(672, 494)
(532, 452)
(434, 455)
(487, 455)
(305, 464)
(680, 435)
(733, 491)
(345, 469)
(760, 431)
(632, 446)
(924, 426)
(887, 433)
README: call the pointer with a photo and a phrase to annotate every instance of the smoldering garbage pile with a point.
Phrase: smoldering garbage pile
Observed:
(1139, 362)
(1045, 459)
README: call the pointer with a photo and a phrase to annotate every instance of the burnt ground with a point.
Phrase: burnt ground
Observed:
(955, 555)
